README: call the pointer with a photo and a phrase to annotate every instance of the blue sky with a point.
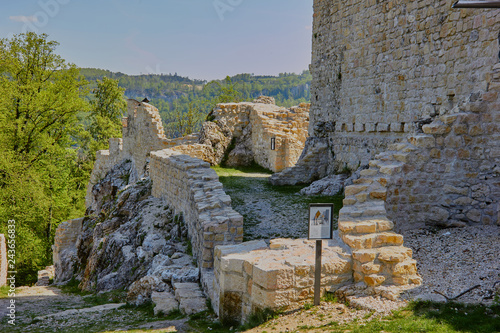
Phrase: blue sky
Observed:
(203, 39)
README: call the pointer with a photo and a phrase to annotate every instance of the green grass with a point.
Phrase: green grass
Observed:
(429, 317)
(72, 288)
(115, 296)
(4, 291)
(238, 171)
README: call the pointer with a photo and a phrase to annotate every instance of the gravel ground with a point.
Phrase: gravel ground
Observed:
(453, 260)
(37, 301)
(271, 211)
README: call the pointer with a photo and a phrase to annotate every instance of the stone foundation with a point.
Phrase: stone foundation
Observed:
(251, 277)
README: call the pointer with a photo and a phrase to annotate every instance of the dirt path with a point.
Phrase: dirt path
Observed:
(33, 302)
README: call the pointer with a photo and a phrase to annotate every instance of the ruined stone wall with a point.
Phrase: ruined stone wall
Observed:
(143, 133)
(453, 176)
(379, 66)
(104, 161)
(64, 249)
(257, 123)
(191, 187)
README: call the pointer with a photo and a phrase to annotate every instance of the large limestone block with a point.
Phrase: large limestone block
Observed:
(273, 275)
(273, 299)
(224, 250)
(394, 254)
(232, 282)
(192, 305)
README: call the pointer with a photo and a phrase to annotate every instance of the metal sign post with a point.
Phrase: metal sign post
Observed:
(320, 227)
(317, 273)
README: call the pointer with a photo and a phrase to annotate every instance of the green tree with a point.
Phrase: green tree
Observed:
(40, 100)
(107, 108)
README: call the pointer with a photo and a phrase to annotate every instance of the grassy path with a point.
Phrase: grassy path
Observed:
(269, 211)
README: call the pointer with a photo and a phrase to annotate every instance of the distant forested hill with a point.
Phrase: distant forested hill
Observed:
(184, 102)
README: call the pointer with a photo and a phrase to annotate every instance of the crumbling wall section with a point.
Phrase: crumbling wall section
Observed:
(143, 133)
(104, 161)
(453, 176)
(253, 125)
(192, 188)
(64, 249)
(251, 277)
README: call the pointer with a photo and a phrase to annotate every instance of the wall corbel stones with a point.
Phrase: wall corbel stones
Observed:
(190, 186)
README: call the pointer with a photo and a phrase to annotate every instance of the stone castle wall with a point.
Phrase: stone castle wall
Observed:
(379, 67)
(384, 73)
(192, 188)
(452, 179)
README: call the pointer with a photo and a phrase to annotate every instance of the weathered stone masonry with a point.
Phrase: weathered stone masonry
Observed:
(189, 186)
(394, 71)
(378, 67)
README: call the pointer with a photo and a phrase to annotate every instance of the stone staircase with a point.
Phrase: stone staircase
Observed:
(379, 257)
(186, 297)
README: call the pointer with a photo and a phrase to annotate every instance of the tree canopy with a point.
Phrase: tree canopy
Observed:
(41, 183)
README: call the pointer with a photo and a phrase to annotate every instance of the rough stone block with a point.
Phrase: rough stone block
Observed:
(231, 264)
(407, 267)
(394, 254)
(437, 127)
(423, 141)
(364, 256)
(165, 302)
(232, 282)
(354, 189)
(273, 299)
(273, 275)
(371, 268)
(374, 280)
(192, 305)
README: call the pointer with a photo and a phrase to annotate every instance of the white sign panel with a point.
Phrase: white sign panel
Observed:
(320, 221)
